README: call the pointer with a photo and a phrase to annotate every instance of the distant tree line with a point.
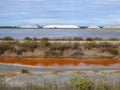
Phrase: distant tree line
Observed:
(68, 39)
(9, 27)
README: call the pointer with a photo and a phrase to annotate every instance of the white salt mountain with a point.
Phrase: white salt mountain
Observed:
(93, 27)
(61, 26)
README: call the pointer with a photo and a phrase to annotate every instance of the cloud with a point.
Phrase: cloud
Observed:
(60, 11)
(92, 21)
(51, 21)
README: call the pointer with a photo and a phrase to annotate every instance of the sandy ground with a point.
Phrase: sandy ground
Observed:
(64, 41)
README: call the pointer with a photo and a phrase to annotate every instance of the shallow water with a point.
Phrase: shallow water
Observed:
(59, 33)
(62, 62)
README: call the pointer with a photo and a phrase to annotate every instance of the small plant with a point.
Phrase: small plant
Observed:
(82, 83)
(77, 53)
(89, 45)
(27, 38)
(113, 51)
(24, 71)
(97, 39)
(103, 86)
(53, 53)
(113, 39)
(78, 39)
(89, 39)
(7, 38)
(45, 43)
(4, 47)
(45, 39)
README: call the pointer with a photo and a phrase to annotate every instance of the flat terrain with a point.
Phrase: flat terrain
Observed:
(64, 41)
(12, 78)
(13, 68)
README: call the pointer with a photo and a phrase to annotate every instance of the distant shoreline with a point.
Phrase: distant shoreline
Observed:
(66, 28)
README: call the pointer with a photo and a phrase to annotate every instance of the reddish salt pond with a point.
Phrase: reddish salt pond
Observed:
(62, 62)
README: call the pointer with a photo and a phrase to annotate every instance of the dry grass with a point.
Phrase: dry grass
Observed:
(77, 72)
(13, 74)
(54, 72)
(10, 74)
(114, 72)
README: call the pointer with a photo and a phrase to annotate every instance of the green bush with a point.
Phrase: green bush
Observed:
(27, 38)
(113, 51)
(97, 39)
(52, 53)
(106, 45)
(30, 46)
(89, 39)
(113, 39)
(89, 45)
(82, 83)
(77, 53)
(45, 44)
(57, 46)
(24, 71)
(75, 46)
(45, 39)
(7, 38)
(103, 86)
(19, 51)
(35, 39)
(78, 39)
(4, 47)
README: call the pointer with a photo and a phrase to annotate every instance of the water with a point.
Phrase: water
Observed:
(59, 33)
(62, 62)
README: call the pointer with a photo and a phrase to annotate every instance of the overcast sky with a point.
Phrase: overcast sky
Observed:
(44, 12)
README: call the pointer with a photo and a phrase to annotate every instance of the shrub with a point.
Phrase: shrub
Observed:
(4, 47)
(67, 46)
(103, 86)
(89, 39)
(77, 53)
(53, 53)
(45, 39)
(35, 39)
(105, 45)
(19, 51)
(7, 38)
(78, 39)
(75, 46)
(97, 39)
(27, 38)
(24, 71)
(57, 46)
(113, 51)
(29, 46)
(82, 83)
(44, 42)
(89, 45)
(113, 39)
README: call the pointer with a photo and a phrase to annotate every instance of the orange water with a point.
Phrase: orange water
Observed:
(61, 62)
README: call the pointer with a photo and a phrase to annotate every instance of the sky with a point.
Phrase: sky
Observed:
(65, 12)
